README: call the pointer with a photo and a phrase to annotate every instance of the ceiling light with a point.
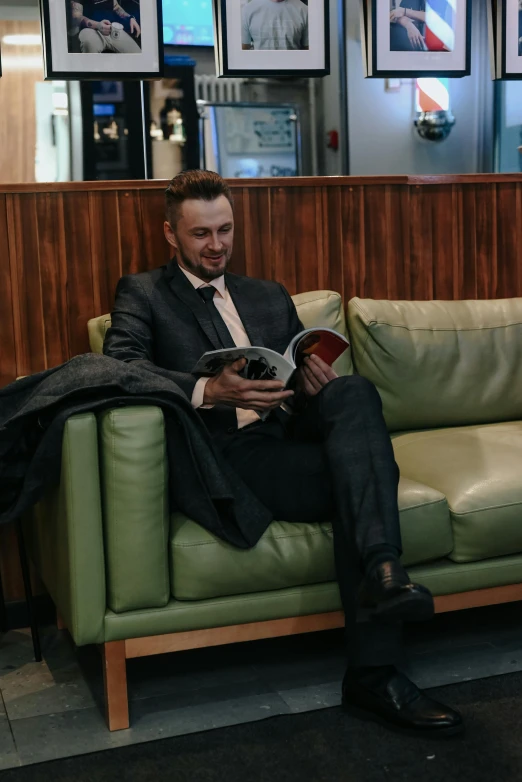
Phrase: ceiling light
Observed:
(22, 40)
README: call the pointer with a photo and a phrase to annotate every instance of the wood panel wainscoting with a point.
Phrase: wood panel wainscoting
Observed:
(63, 247)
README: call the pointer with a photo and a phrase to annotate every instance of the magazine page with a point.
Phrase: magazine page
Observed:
(323, 342)
(262, 363)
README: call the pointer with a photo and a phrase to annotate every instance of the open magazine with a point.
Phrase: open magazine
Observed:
(266, 364)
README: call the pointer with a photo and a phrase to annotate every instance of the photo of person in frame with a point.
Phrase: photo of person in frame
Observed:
(103, 26)
(422, 25)
(274, 25)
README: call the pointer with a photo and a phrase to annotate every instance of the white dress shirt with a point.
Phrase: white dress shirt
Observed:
(226, 308)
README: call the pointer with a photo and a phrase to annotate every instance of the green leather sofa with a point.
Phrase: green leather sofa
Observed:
(129, 577)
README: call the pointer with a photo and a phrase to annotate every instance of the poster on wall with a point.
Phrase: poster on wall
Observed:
(506, 29)
(102, 39)
(410, 38)
(272, 38)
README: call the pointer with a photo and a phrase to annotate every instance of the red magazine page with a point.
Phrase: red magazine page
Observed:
(324, 344)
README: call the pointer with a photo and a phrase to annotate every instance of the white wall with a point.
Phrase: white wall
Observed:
(382, 137)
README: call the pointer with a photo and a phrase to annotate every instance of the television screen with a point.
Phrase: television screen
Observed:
(188, 23)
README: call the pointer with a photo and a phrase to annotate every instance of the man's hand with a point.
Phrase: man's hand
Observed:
(397, 14)
(314, 375)
(416, 39)
(229, 388)
(135, 28)
(104, 27)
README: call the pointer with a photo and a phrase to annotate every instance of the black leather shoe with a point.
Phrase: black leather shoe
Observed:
(387, 594)
(397, 703)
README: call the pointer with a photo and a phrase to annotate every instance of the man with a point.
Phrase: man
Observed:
(92, 21)
(275, 24)
(331, 459)
(407, 26)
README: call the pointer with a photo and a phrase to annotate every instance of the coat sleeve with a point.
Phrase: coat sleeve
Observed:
(131, 337)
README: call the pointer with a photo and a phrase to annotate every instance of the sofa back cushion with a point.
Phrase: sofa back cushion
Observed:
(317, 308)
(440, 363)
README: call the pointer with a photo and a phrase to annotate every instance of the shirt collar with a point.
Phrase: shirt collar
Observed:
(218, 283)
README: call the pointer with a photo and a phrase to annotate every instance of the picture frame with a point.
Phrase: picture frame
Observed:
(115, 43)
(506, 34)
(296, 43)
(416, 38)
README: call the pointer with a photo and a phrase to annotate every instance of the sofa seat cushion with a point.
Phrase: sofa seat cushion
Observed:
(479, 471)
(289, 555)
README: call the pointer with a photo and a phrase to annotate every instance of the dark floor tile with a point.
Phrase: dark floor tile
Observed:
(9, 757)
(30, 689)
(62, 735)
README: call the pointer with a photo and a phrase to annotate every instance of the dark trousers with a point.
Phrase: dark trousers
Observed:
(333, 462)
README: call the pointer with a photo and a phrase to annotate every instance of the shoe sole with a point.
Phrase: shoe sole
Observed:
(427, 733)
(410, 607)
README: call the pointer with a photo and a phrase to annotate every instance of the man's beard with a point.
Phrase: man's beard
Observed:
(198, 269)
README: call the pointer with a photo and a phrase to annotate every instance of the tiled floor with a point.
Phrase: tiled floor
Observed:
(54, 709)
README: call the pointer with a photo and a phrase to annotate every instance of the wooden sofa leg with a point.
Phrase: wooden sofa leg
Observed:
(60, 624)
(115, 683)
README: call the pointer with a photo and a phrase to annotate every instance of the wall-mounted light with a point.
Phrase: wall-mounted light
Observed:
(434, 119)
(22, 40)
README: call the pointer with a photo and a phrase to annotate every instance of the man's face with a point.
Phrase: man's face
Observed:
(203, 237)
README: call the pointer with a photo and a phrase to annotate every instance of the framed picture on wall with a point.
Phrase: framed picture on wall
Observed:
(410, 38)
(102, 39)
(506, 21)
(272, 38)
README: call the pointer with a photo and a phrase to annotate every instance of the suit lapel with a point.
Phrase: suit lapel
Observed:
(247, 307)
(188, 295)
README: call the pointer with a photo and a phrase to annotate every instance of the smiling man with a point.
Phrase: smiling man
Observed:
(331, 460)
(275, 24)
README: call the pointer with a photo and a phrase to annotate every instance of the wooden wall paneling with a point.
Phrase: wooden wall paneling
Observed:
(405, 274)
(106, 248)
(26, 284)
(351, 242)
(447, 248)
(509, 239)
(156, 251)
(242, 261)
(53, 276)
(377, 237)
(257, 230)
(78, 239)
(397, 232)
(131, 233)
(421, 243)
(283, 237)
(333, 239)
(486, 247)
(7, 332)
(305, 212)
(22, 70)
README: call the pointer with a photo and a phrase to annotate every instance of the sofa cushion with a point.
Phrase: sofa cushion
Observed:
(288, 555)
(479, 471)
(317, 308)
(440, 363)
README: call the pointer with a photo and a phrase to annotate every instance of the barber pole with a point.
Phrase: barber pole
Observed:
(433, 94)
(440, 25)
(434, 119)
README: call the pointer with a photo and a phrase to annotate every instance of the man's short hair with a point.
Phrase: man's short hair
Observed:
(196, 185)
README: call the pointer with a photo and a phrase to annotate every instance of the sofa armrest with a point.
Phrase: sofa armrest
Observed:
(134, 480)
(65, 537)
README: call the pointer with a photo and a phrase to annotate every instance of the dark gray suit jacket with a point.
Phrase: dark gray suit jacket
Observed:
(160, 321)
